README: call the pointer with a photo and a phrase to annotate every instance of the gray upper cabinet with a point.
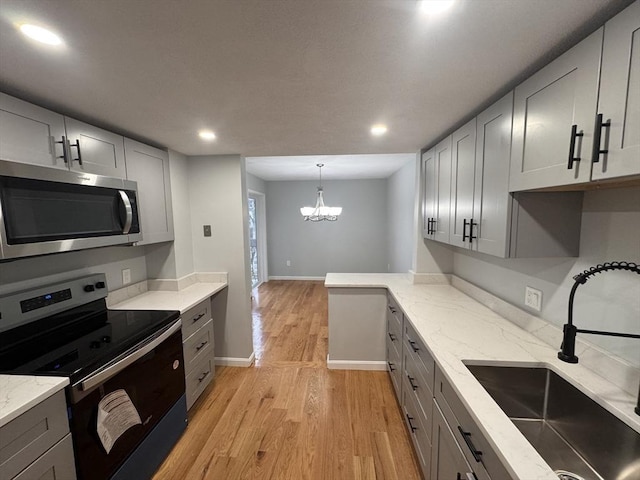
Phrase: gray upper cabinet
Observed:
(30, 134)
(619, 102)
(554, 112)
(429, 190)
(149, 167)
(436, 183)
(463, 158)
(491, 200)
(94, 150)
(442, 156)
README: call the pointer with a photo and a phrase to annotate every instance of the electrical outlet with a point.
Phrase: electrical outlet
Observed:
(288, 263)
(206, 230)
(533, 298)
(126, 276)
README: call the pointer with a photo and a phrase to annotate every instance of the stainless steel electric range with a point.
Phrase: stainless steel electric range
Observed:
(126, 398)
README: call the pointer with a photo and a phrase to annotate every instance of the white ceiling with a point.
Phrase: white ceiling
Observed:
(281, 77)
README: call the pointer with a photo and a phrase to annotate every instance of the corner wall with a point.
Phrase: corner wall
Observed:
(218, 197)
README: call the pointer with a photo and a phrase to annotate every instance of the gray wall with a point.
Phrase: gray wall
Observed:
(28, 272)
(400, 200)
(609, 301)
(218, 197)
(356, 242)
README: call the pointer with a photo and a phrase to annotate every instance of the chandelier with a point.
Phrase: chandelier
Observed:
(320, 212)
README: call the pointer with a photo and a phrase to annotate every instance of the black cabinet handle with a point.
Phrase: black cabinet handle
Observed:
(413, 385)
(464, 230)
(199, 347)
(391, 369)
(477, 454)
(202, 377)
(468, 475)
(198, 317)
(597, 138)
(413, 346)
(471, 225)
(65, 154)
(77, 146)
(392, 336)
(413, 429)
(430, 226)
(572, 146)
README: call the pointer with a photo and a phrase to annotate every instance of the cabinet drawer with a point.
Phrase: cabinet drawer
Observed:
(34, 432)
(195, 317)
(486, 465)
(198, 379)
(56, 464)
(394, 332)
(394, 311)
(420, 433)
(198, 346)
(418, 350)
(418, 389)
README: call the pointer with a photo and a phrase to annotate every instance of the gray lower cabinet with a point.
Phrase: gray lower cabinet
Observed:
(474, 446)
(448, 462)
(149, 167)
(198, 349)
(37, 444)
(394, 344)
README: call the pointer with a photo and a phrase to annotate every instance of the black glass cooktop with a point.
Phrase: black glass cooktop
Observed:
(79, 341)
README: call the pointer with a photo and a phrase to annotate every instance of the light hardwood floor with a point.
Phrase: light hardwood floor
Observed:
(289, 417)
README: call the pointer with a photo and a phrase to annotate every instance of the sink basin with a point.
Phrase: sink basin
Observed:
(568, 429)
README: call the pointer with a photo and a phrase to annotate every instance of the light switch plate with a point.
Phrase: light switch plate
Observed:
(126, 276)
(207, 230)
(533, 298)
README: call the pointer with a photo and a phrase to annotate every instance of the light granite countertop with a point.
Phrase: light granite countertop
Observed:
(458, 330)
(181, 300)
(19, 393)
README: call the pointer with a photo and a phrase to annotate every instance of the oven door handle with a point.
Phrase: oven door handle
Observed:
(99, 377)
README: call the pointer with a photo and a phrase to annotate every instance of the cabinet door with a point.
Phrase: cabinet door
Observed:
(443, 189)
(492, 202)
(547, 106)
(619, 101)
(429, 192)
(447, 461)
(94, 150)
(463, 158)
(149, 167)
(28, 134)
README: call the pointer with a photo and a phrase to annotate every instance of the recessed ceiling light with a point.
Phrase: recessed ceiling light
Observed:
(40, 34)
(207, 135)
(430, 7)
(378, 130)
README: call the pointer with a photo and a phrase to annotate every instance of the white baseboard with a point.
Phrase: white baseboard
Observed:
(280, 277)
(356, 364)
(235, 361)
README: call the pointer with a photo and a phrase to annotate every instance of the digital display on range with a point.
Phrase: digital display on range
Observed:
(45, 300)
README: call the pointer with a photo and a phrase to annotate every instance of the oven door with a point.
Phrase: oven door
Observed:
(152, 377)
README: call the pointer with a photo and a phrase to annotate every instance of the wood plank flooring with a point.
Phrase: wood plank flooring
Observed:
(289, 417)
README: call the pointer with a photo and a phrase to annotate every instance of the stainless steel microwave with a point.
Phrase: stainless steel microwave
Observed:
(45, 210)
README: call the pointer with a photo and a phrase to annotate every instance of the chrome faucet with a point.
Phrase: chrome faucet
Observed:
(568, 347)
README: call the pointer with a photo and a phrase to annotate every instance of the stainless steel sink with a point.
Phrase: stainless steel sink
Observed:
(568, 429)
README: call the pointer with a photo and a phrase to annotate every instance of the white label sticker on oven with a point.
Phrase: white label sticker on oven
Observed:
(116, 415)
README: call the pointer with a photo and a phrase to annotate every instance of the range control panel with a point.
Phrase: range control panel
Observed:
(35, 303)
